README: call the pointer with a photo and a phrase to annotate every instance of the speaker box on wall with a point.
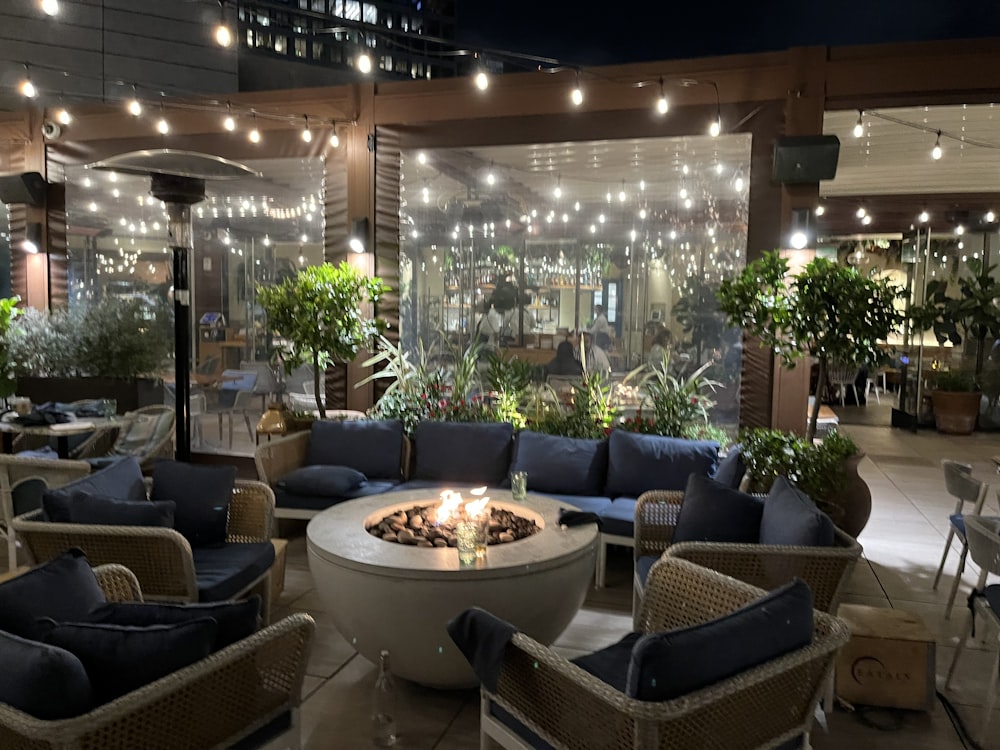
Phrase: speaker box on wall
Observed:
(805, 158)
(24, 187)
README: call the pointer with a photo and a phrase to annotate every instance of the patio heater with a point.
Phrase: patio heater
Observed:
(178, 179)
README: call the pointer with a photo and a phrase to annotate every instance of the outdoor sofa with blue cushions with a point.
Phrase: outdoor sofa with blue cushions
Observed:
(190, 534)
(87, 664)
(764, 541)
(335, 460)
(713, 662)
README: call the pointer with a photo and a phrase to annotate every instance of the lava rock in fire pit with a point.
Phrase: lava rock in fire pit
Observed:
(418, 526)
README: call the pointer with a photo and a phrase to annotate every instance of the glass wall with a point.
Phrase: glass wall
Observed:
(517, 246)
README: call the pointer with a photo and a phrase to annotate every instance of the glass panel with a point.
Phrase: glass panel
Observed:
(517, 244)
(5, 251)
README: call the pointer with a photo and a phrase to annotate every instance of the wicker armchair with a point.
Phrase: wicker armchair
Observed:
(160, 558)
(825, 569)
(220, 700)
(17, 472)
(759, 708)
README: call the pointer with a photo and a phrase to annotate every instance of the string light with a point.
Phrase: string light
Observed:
(577, 94)
(819, 210)
(859, 126)
(364, 63)
(491, 178)
(621, 193)
(959, 230)
(63, 117)
(557, 192)
(715, 127)
(50, 7)
(990, 217)
(27, 88)
(861, 212)
(924, 217)
(223, 36)
(482, 80)
(229, 123)
(162, 126)
(334, 138)
(936, 152)
(866, 219)
(662, 105)
(254, 134)
(307, 135)
(133, 106)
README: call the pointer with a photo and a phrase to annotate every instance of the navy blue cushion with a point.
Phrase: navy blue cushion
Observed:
(619, 517)
(790, 517)
(583, 502)
(731, 468)
(677, 662)
(373, 447)
(712, 512)
(120, 479)
(610, 664)
(285, 499)
(223, 572)
(63, 588)
(637, 463)
(643, 565)
(463, 452)
(236, 620)
(322, 479)
(42, 680)
(573, 466)
(958, 521)
(434, 484)
(507, 719)
(120, 659)
(84, 507)
(202, 494)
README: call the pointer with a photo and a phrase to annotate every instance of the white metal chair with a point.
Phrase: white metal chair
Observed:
(984, 546)
(198, 406)
(267, 386)
(843, 376)
(960, 484)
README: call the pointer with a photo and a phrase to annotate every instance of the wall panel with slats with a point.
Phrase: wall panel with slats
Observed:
(387, 234)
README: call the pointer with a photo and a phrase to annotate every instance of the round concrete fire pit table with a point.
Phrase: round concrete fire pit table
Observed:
(384, 595)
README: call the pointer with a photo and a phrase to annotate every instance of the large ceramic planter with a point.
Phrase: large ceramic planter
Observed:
(130, 394)
(854, 501)
(955, 412)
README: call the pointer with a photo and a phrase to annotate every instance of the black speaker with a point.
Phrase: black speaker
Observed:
(24, 187)
(805, 158)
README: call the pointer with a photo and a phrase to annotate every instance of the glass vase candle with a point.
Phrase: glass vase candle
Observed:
(466, 532)
(519, 485)
(482, 526)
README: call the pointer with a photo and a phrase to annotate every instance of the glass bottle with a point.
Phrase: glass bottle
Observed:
(384, 705)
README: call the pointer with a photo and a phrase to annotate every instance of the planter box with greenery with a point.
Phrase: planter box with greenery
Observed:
(955, 399)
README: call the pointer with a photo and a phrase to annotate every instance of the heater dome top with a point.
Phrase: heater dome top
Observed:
(175, 162)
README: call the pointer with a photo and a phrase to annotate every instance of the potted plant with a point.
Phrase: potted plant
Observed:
(955, 399)
(320, 316)
(113, 348)
(826, 471)
(829, 312)
(8, 378)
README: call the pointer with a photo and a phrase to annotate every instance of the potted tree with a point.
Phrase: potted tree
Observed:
(829, 312)
(968, 320)
(320, 314)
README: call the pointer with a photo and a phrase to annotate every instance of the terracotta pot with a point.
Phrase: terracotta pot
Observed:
(854, 501)
(955, 412)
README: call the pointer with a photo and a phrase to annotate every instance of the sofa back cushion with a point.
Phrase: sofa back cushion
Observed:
(84, 507)
(44, 681)
(711, 512)
(731, 468)
(202, 495)
(791, 517)
(674, 663)
(64, 588)
(568, 466)
(121, 479)
(637, 463)
(463, 452)
(322, 480)
(373, 447)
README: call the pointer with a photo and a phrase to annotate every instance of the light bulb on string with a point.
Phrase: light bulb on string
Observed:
(662, 105)
(622, 195)
(63, 117)
(229, 122)
(924, 217)
(936, 152)
(364, 62)
(557, 192)
(819, 210)
(162, 126)
(254, 134)
(990, 217)
(959, 230)
(491, 178)
(576, 96)
(27, 88)
(133, 106)
(866, 219)
(715, 127)
(861, 212)
(307, 135)
(334, 138)
(482, 80)
(859, 126)
(223, 36)
(50, 7)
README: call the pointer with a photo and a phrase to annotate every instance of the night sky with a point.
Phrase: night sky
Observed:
(585, 33)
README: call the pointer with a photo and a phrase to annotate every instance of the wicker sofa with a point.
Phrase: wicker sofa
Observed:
(251, 688)
(540, 699)
(163, 560)
(604, 477)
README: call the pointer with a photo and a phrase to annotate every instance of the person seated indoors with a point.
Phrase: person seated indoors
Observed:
(597, 358)
(601, 329)
(660, 349)
(564, 363)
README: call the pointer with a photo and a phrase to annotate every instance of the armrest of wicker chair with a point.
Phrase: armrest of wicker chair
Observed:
(569, 707)
(251, 512)
(656, 514)
(825, 569)
(212, 703)
(118, 583)
(278, 457)
(160, 558)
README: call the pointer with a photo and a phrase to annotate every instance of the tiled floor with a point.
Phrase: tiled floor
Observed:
(903, 543)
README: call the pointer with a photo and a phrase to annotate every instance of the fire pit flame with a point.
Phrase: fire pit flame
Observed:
(454, 507)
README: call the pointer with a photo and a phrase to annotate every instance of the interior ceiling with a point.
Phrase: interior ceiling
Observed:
(890, 172)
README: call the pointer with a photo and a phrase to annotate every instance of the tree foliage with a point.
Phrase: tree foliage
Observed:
(321, 315)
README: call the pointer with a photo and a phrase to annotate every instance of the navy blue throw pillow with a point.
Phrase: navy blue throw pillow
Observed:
(84, 507)
(42, 680)
(120, 479)
(372, 446)
(64, 588)
(236, 620)
(322, 481)
(202, 495)
(677, 662)
(463, 452)
(637, 463)
(567, 466)
(120, 659)
(711, 512)
(791, 517)
(731, 468)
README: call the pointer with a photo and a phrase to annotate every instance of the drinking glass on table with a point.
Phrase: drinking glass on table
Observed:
(519, 485)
